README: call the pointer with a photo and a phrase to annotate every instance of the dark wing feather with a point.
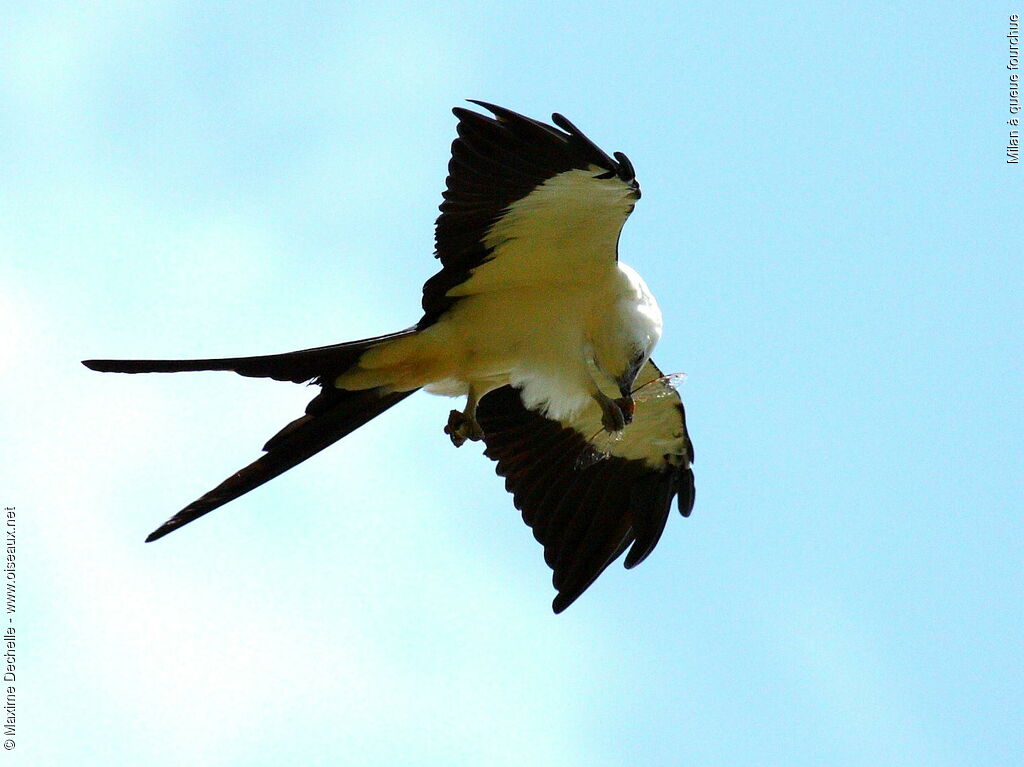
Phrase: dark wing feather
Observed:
(585, 512)
(495, 162)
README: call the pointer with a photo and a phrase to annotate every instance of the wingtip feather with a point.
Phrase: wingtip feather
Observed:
(562, 601)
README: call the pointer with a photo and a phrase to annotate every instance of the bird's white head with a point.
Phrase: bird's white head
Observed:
(634, 329)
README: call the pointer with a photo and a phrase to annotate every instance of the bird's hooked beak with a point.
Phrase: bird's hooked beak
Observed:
(625, 384)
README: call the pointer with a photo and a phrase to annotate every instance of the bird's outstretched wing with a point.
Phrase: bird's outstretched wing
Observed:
(526, 203)
(590, 497)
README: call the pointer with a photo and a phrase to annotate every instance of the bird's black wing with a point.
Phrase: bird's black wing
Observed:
(493, 209)
(589, 497)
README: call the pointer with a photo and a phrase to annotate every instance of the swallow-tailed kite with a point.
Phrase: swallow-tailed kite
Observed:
(537, 323)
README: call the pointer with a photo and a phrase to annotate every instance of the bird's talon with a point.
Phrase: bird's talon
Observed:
(612, 417)
(462, 427)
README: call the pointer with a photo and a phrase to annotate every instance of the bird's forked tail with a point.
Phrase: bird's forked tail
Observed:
(331, 415)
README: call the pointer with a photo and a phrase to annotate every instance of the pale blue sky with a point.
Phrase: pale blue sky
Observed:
(833, 234)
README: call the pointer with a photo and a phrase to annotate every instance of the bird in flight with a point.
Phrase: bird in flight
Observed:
(537, 323)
